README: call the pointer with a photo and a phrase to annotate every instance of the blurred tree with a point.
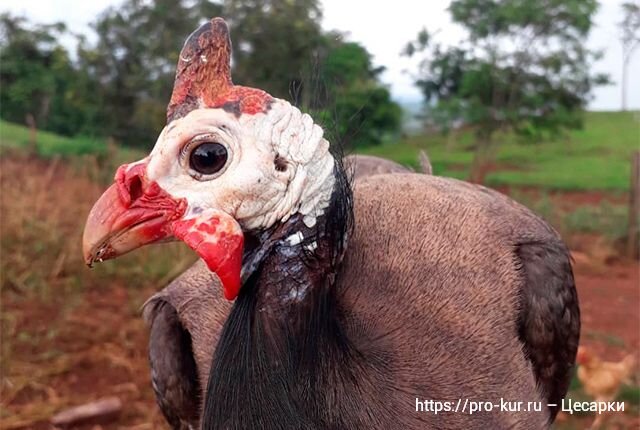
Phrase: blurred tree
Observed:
(278, 46)
(522, 67)
(134, 61)
(119, 86)
(139, 43)
(348, 98)
(38, 78)
(630, 38)
(274, 43)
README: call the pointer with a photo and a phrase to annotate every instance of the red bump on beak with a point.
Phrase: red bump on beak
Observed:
(131, 213)
(129, 181)
(135, 211)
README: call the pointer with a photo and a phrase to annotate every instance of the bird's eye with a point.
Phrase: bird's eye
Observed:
(208, 158)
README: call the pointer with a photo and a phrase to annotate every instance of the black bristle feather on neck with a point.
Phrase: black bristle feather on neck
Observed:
(282, 342)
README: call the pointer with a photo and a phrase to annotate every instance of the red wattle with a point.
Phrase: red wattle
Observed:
(219, 244)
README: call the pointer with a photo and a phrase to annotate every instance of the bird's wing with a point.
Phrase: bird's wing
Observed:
(173, 369)
(185, 320)
(549, 321)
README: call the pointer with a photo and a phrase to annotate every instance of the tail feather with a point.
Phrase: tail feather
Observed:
(425, 163)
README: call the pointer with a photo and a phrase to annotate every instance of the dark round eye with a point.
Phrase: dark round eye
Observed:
(208, 158)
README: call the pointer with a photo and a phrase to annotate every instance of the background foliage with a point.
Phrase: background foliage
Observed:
(71, 335)
(522, 67)
(119, 85)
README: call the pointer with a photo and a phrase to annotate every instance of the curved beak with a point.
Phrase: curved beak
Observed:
(113, 229)
(134, 212)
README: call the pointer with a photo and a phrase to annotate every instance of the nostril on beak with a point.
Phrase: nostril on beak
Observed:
(130, 182)
(135, 188)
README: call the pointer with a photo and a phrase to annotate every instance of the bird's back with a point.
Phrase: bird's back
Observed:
(431, 295)
(431, 287)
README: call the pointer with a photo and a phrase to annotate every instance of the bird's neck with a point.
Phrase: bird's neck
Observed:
(283, 336)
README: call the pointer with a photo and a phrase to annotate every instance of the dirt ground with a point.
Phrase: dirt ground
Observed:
(70, 344)
(609, 302)
(101, 349)
(610, 314)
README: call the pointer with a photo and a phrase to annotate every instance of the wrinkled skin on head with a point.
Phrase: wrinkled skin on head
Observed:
(275, 164)
(278, 164)
(275, 161)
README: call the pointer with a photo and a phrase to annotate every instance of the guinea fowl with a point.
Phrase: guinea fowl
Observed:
(443, 290)
(186, 318)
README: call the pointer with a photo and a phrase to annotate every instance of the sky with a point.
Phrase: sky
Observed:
(384, 28)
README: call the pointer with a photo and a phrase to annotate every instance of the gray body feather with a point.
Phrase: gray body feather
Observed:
(457, 289)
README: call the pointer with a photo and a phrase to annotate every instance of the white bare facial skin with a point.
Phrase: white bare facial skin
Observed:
(249, 187)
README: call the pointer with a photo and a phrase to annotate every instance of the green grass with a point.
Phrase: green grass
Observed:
(17, 137)
(596, 157)
(49, 144)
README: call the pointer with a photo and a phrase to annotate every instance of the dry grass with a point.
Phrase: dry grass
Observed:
(69, 334)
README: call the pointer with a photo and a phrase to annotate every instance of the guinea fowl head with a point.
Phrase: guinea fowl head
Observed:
(232, 162)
